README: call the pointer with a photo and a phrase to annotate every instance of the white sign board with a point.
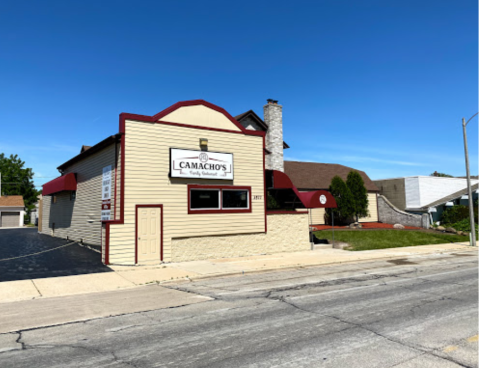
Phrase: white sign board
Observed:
(106, 194)
(200, 164)
(322, 199)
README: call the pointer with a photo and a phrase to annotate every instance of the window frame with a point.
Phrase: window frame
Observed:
(73, 195)
(220, 189)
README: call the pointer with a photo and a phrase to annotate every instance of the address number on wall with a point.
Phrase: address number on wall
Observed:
(257, 197)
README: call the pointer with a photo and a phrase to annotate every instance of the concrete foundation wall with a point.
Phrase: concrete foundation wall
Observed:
(389, 214)
(286, 233)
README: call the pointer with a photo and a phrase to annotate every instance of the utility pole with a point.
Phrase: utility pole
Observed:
(469, 189)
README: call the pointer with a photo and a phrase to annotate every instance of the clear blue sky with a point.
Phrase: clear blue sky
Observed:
(377, 85)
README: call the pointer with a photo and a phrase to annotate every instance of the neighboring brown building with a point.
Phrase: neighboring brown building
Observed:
(307, 176)
(12, 210)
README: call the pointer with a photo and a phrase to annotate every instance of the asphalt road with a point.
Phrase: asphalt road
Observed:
(417, 312)
(71, 260)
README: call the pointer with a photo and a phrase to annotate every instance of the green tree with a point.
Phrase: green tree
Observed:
(359, 194)
(442, 175)
(341, 193)
(18, 180)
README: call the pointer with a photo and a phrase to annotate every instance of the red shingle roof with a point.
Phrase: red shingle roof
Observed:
(314, 176)
(11, 201)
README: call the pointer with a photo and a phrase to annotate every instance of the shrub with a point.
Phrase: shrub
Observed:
(341, 193)
(359, 194)
(463, 225)
(456, 214)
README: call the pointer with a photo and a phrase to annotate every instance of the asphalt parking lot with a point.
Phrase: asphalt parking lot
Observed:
(71, 260)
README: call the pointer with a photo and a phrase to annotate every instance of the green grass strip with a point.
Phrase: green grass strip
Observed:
(381, 239)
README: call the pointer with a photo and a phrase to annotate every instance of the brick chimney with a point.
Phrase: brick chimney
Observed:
(273, 117)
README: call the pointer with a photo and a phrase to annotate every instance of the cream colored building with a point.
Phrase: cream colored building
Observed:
(188, 183)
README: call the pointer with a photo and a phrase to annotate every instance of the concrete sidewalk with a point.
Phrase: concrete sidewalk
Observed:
(124, 277)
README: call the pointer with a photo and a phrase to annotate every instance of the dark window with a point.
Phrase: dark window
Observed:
(235, 198)
(219, 199)
(54, 199)
(205, 199)
(73, 195)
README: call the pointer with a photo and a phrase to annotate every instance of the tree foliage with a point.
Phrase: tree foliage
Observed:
(359, 201)
(456, 214)
(341, 193)
(442, 175)
(18, 180)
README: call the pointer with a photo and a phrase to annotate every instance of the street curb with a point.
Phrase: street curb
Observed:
(286, 268)
(276, 269)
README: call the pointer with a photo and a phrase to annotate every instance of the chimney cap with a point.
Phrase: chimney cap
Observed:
(271, 101)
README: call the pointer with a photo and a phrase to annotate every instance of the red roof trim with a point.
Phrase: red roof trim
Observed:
(60, 184)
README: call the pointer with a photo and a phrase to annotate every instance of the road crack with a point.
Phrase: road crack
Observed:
(189, 291)
(18, 340)
(420, 349)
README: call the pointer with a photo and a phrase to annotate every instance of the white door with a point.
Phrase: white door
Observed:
(149, 234)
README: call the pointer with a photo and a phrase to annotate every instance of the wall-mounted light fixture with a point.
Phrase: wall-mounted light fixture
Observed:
(204, 144)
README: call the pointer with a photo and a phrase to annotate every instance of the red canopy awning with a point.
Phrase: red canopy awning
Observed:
(60, 184)
(313, 199)
(317, 199)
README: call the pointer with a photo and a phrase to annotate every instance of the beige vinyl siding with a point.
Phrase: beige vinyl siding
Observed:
(46, 201)
(147, 181)
(316, 216)
(372, 208)
(200, 115)
(40, 215)
(81, 218)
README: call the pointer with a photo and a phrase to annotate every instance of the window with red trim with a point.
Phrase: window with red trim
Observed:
(218, 199)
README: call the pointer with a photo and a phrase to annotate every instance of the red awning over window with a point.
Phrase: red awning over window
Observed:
(313, 199)
(60, 184)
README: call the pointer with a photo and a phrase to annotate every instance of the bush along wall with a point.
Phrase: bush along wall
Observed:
(456, 214)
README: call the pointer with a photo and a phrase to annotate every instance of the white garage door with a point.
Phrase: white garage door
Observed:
(10, 219)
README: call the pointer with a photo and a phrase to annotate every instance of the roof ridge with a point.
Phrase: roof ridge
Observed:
(321, 163)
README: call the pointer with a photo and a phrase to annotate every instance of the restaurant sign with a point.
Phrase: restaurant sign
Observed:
(200, 164)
